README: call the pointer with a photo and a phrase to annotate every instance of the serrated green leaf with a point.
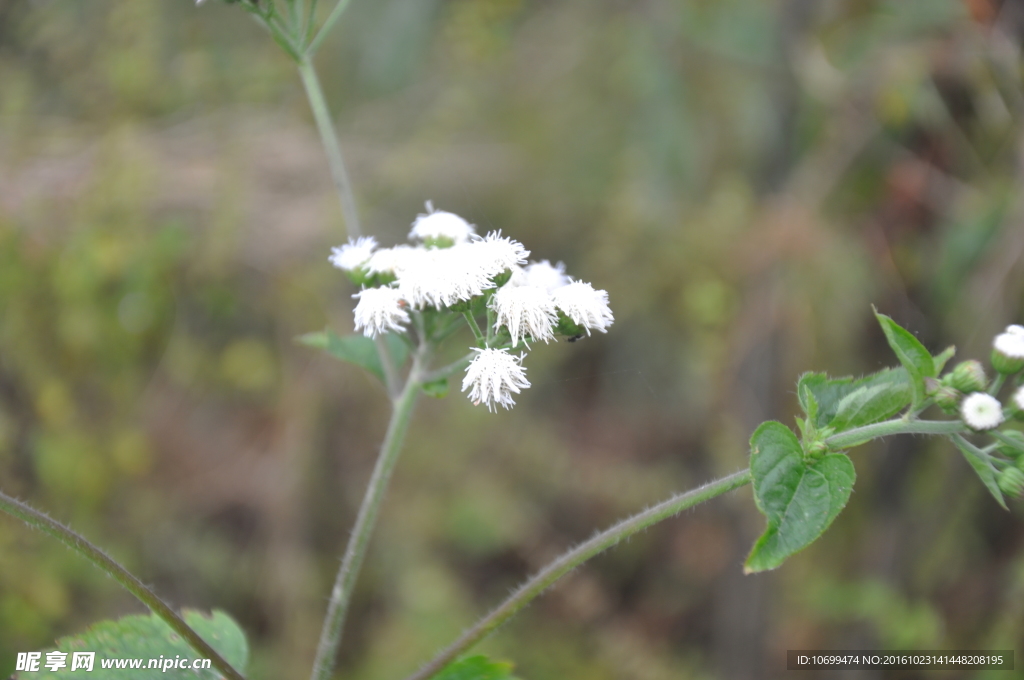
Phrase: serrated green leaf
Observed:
(870, 404)
(799, 499)
(477, 667)
(829, 393)
(912, 355)
(143, 638)
(981, 464)
(358, 349)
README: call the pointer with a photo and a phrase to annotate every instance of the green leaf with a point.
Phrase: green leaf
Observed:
(982, 465)
(870, 404)
(942, 358)
(800, 499)
(144, 638)
(358, 349)
(436, 388)
(911, 353)
(477, 667)
(830, 395)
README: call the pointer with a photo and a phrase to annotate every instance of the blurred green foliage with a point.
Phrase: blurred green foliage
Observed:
(743, 178)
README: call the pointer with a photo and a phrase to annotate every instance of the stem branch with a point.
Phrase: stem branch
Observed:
(860, 435)
(572, 559)
(83, 547)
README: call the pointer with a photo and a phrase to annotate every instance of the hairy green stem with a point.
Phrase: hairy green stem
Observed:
(355, 552)
(860, 435)
(83, 547)
(572, 559)
(449, 370)
(328, 24)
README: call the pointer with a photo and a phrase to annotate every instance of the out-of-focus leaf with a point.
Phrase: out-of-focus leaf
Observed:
(357, 349)
(477, 667)
(143, 638)
(981, 464)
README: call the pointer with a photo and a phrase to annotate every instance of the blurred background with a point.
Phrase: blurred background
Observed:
(744, 178)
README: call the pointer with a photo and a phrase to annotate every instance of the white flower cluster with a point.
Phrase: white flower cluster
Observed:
(981, 411)
(448, 264)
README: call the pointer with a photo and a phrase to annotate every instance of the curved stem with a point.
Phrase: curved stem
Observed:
(355, 552)
(997, 384)
(331, 146)
(450, 369)
(83, 547)
(860, 435)
(572, 559)
(477, 333)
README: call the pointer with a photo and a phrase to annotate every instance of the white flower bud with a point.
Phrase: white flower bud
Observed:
(493, 376)
(353, 254)
(438, 224)
(584, 305)
(527, 311)
(1008, 352)
(981, 411)
(1018, 399)
(379, 310)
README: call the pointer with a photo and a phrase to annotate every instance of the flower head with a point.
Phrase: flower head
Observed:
(438, 224)
(545, 275)
(527, 311)
(1015, 329)
(1008, 351)
(379, 310)
(981, 411)
(1010, 344)
(353, 254)
(584, 305)
(1018, 399)
(441, 277)
(496, 253)
(493, 376)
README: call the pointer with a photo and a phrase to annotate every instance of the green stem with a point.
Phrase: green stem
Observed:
(331, 146)
(450, 369)
(572, 559)
(355, 552)
(83, 547)
(997, 384)
(475, 328)
(860, 435)
(332, 19)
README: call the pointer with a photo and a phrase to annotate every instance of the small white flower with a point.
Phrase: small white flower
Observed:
(527, 311)
(1014, 329)
(543, 275)
(495, 253)
(584, 305)
(393, 260)
(1018, 398)
(1010, 344)
(379, 310)
(441, 277)
(353, 254)
(981, 411)
(437, 224)
(494, 375)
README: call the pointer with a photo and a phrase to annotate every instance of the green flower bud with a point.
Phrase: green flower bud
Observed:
(968, 376)
(1012, 451)
(1011, 481)
(948, 398)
